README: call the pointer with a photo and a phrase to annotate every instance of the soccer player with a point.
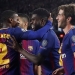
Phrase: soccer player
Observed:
(48, 55)
(9, 59)
(32, 46)
(66, 21)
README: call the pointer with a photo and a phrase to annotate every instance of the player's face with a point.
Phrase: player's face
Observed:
(35, 22)
(15, 20)
(61, 19)
(23, 23)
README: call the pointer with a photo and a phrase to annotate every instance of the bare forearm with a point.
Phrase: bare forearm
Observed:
(39, 70)
(62, 69)
(33, 58)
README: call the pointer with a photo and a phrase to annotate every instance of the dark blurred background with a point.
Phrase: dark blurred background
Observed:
(27, 6)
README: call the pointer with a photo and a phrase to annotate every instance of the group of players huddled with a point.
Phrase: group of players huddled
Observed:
(29, 45)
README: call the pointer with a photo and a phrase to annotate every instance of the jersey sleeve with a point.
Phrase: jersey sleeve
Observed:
(31, 35)
(56, 58)
(46, 46)
(55, 53)
(39, 33)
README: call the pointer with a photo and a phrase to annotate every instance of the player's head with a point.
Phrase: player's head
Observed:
(66, 15)
(10, 17)
(39, 18)
(24, 20)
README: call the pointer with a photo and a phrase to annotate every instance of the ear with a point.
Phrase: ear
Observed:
(43, 22)
(69, 19)
(10, 20)
(26, 23)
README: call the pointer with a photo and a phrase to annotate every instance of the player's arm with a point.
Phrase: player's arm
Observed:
(31, 35)
(56, 57)
(59, 71)
(37, 70)
(36, 59)
(39, 33)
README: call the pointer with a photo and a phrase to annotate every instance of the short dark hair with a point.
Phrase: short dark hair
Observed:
(41, 12)
(69, 11)
(24, 16)
(7, 14)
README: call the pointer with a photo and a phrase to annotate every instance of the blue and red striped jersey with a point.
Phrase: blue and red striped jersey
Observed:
(26, 66)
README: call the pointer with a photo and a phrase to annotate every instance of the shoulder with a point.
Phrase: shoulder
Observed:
(71, 32)
(52, 34)
(5, 30)
(72, 35)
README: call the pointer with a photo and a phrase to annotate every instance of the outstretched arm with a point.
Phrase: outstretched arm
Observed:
(39, 33)
(31, 35)
(36, 59)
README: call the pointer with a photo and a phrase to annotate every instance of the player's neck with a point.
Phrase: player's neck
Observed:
(68, 28)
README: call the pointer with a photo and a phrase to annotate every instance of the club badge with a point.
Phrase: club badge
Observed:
(44, 43)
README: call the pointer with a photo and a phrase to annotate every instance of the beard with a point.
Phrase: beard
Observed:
(63, 24)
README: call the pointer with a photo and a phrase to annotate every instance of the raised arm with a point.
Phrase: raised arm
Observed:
(31, 35)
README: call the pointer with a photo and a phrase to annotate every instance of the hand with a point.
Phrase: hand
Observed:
(59, 71)
(14, 44)
(50, 18)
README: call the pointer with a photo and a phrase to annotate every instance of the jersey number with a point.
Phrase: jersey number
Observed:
(3, 52)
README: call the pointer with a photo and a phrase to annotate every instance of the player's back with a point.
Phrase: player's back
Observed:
(26, 66)
(9, 58)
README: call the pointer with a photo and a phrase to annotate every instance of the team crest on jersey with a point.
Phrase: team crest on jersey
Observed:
(30, 48)
(73, 38)
(44, 43)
